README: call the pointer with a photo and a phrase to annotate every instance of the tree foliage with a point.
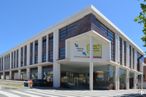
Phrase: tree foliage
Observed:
(141, 19)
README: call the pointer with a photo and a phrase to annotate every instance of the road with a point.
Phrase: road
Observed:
(68, 93)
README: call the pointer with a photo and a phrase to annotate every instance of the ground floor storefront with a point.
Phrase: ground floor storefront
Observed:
(105, 77)
(77, 76)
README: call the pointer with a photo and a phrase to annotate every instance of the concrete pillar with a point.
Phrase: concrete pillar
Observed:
(142, 81)
(135, 80)
(28, 54)
(4, 75)
(127, 54)
(91, 64)
(28, 73)
(117, 55)
(123, 53)
(127, 79)
(142, 75)
(3, 67)
(19, 74)
(56, 65)
(131, 57)
(117, 78)
(39, 72)
(40, 50)
(10, 75)
(135, 65)
(56, 75)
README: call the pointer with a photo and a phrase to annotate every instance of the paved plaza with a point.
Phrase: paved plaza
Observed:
(69, 93)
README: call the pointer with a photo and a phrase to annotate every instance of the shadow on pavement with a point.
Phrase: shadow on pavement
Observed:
(132, 95)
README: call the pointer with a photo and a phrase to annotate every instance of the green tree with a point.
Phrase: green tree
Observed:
(141, 19)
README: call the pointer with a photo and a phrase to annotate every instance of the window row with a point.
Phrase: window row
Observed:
(19, 57)
(1, 64)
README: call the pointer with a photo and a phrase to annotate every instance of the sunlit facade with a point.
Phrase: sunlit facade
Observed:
(86, 51)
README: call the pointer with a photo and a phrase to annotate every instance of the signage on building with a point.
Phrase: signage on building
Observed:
(83, 50)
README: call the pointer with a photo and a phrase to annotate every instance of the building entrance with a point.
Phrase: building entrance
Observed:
(74, 80)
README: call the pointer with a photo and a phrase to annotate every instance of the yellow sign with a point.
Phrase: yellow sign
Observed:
(97, 50)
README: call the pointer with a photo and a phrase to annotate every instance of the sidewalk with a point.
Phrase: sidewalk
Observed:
(11, 84)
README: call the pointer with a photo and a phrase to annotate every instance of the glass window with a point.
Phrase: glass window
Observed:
(140, 59)
(133, 57)
(104, 77)
(122, 78)
(25, 55)
(36, 52)
(130, 52)
(31, 53)
(12, 60)
(33, 73)
(62, 53)
(21, 56)
(131, 80)
(17, 57)
(48, 74)
(44, 42)
(104, 31)
(50, 48)
(121, 50)
(125, 53)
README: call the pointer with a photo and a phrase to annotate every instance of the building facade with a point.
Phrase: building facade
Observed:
(144, 74)
(86, 51)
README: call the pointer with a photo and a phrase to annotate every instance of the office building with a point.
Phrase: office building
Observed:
(86, 51)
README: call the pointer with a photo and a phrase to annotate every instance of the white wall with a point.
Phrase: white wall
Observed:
(74, 54)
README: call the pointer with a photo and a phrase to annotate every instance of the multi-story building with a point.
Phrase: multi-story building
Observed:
(144, 73)
(85, 51)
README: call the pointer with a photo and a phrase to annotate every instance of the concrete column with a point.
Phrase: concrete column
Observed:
(117, 78)
(19, 74)
(135, 65)
(10, 75)
(141, 66)
(28, 73)
(127, 54)
(39, 72)
(123, 53)
(142, 81)
(40, 50)
(117, 55)
(142, 75)
(28, 54)
(3, 67)
(132, 57)
(91, 64)
(56, 65)
(56, 75)
(19, 58)
(135, 80)
(4, 75)
(127, 79)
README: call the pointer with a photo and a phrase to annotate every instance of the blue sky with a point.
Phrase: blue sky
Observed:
(22, 19)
